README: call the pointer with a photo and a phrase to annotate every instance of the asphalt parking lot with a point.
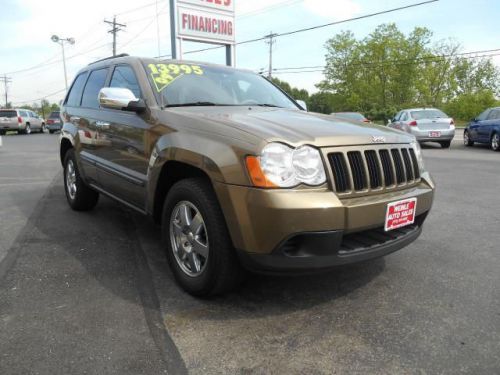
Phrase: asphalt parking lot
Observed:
(90, 293)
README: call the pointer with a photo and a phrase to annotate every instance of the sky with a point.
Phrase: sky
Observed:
(33, 61)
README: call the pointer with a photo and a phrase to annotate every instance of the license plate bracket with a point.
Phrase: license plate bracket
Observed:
(434, 134)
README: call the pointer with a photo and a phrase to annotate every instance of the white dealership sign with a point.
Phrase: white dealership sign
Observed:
(206, 20)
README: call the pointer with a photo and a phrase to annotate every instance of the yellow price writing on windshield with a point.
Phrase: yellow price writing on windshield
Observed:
(164, 74)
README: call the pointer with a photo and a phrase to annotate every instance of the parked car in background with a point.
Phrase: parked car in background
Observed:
(54, 122)
(426, 124)
(484, 128)
(355, 116)
(21, 120)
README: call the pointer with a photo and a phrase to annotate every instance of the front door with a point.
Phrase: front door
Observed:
(124, 152)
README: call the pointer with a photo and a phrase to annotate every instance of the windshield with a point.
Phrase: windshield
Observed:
(54, 115)
(200, 85)
(8, 114)
(428, 113)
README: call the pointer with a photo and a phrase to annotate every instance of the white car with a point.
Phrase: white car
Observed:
(21, 120)
(426, 124)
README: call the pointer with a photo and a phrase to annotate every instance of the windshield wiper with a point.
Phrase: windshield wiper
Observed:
(194, 104)
(267, 105)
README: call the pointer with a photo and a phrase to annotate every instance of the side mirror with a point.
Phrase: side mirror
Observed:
(302, 104)
(474, 119)
(121, 99)
(389, 122)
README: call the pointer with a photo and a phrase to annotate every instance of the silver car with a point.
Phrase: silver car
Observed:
(23, 121)
(426, 124)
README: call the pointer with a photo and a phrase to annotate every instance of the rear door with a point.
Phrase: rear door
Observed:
(124, 153)
(74, 113)
(34, 120)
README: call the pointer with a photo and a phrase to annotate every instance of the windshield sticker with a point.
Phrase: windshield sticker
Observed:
(164, 74)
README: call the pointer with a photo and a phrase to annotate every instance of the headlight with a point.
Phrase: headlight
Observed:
(418, 153)
(282, 166)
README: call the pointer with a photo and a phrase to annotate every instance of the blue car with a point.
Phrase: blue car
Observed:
(484, 129)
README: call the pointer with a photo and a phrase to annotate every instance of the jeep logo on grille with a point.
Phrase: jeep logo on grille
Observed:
(378, 139)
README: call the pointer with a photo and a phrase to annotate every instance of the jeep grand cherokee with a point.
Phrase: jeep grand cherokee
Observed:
(236, 173)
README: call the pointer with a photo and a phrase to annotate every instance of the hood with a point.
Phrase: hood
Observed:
(296, 127)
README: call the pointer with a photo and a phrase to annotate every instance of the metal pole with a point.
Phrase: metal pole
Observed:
(173, 34)
(64, 64)
(114, 35)
(229, 55)
(5, 84)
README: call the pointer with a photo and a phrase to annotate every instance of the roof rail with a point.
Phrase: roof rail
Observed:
(110, 58)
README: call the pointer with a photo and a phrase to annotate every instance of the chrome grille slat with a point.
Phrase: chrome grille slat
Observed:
(370, 169)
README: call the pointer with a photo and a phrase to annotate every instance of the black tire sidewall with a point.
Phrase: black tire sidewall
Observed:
(219, 242)
(491, 142)
(85, 198)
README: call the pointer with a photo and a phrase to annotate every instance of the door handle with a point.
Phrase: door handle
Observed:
(102, 124)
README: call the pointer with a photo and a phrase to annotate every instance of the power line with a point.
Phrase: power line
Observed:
(392, 10)
(38, 99)
(468, 55)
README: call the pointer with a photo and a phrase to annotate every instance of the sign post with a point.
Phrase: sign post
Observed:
(206, 21)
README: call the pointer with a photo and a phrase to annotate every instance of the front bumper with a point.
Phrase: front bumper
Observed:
(316, 251)
(423, 135)
(261, 221)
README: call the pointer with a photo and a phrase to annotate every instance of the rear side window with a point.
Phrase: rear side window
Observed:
(23, 114)
(75, 94)
(124, 77)
(95, 83)
(8, 114)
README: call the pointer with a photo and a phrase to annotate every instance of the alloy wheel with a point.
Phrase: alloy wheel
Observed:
(71, 179)
(189, 238)
(495, 142)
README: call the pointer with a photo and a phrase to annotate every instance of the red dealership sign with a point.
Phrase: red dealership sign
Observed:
(206, 20)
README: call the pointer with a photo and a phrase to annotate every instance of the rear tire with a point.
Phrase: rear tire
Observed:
(445, 144)
(2, 132)
(80, 197)
(51, 131)
(27, 130)
(217, 272)
(467, 141)
(495, 142)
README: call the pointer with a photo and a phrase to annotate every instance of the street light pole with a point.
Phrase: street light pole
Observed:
(61, 41)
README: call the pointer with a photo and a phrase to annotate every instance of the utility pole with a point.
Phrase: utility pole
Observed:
(271, 42)
(6, 80)
(114, 31)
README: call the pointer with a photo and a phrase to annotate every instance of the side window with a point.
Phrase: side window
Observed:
(398, 115)
(483, 116)
(23, 113)
(124, 77)
(404, 117)
(75, 93)
(494, 114)
(96, 82)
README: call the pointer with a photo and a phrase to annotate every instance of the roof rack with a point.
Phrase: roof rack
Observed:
(110, 58)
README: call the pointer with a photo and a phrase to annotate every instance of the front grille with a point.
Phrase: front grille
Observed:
(377, 168)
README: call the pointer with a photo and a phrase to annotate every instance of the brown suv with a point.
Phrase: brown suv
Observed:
(236, 173)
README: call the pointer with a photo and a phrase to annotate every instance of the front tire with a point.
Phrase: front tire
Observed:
(467, 141)
(80, 197)
(27, 130)
(199, 249)
(495, 142)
